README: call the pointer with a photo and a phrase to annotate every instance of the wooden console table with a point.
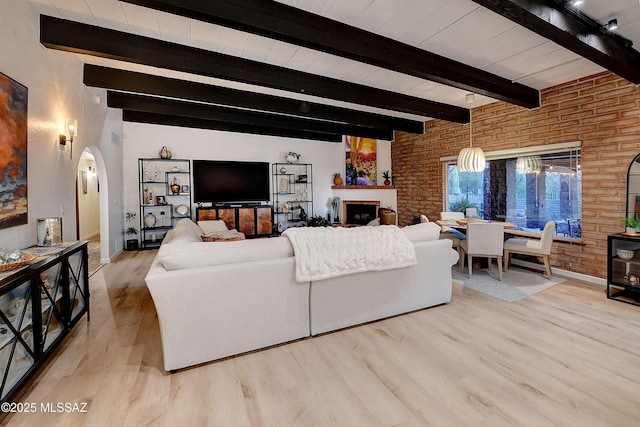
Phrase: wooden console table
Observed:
(252, 220)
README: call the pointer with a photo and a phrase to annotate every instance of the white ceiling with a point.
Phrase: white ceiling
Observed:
(458, 29)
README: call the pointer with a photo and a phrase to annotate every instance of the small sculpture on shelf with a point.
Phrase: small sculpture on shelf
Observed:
(337, 179)
(150, 220)
(175, 187)
(165, 153)
(292, 157)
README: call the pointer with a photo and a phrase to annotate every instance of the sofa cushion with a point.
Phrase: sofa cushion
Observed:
(423, 231)
(177, 256)
(184, 231)
(211, 226)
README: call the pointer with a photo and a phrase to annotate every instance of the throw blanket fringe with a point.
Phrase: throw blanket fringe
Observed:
(324, 252)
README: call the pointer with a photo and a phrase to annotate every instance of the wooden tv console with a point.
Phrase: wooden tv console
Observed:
(252, 220)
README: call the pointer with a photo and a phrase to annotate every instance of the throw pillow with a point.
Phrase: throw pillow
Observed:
(223, 236)
(211, 226)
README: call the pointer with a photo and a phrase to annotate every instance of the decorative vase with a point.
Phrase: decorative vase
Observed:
(387, 182)
(150, 220)
(175, 187)
(387, 216)
(292, 157)
(165, 153)
(337, 180)
(303, 215)
(283, 170)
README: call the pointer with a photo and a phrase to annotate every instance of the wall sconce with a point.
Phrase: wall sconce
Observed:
(612, 25)
(71, 126)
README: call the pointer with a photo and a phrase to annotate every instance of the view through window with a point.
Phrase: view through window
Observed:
(528, 190)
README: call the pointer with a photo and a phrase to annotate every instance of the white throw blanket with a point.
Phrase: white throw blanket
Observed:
(324, 252)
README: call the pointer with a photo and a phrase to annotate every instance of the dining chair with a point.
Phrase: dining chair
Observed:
(483, 240)
(535, 247)
(450, 233)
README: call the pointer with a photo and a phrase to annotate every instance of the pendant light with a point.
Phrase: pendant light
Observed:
(471, 159)
(529, 164)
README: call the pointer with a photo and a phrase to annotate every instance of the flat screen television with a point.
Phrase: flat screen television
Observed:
(221, 181)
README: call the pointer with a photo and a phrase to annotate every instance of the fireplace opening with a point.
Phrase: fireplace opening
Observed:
(360, 213)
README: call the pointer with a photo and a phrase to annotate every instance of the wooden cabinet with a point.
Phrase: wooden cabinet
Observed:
(252, 220)
(623, 268)
(39, 305)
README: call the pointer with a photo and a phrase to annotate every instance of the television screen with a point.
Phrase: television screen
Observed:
(228, 181)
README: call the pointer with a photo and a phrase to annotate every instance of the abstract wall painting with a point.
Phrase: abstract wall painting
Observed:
(360, 161)
(13, 153)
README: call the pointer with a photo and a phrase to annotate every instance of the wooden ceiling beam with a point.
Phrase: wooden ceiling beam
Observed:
(296, 26)
(173, 107)
(192, 122)
(573, 30)
(130, 81)
(87, 39)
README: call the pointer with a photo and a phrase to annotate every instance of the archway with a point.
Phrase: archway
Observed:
(101, 185)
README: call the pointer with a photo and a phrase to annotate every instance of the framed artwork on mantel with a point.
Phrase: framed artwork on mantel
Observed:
(361, 161)
(13, 152)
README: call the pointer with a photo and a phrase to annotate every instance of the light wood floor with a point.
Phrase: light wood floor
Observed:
(565, 357)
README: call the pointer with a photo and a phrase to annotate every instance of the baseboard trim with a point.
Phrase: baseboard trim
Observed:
(561, 272)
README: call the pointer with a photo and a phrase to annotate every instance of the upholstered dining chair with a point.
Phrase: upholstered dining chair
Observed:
(483, 240)
(535, 247)
(449, 233)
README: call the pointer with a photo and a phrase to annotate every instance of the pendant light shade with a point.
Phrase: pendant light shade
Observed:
(529, 164)
(471, 159)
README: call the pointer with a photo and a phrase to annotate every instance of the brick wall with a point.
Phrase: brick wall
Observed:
(601, 111)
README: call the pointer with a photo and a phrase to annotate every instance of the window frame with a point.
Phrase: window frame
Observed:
(572, 146)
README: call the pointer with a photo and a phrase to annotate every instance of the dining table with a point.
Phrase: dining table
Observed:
(462, 223)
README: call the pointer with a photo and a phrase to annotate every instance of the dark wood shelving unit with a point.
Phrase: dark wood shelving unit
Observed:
(620, 272)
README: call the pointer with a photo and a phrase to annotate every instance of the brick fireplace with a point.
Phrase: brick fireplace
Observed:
(359, 212)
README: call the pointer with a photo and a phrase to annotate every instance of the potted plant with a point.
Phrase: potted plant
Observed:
(318, 221)
(632, 224)
(132, 243)
(387, 177)
(337, 179)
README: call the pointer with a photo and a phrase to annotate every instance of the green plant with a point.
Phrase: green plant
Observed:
(630, 222)
(386, 175)
(336, 175)
(318, 221)
(462, 205)
(130, 217)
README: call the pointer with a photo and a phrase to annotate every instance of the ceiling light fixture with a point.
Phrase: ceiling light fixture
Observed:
(529, 164)
(471, 159)
(612, 25)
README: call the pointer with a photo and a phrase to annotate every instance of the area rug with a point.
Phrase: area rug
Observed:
(516, 283)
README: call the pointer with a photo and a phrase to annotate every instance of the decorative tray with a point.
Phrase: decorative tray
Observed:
(28, 259)
(182, 209)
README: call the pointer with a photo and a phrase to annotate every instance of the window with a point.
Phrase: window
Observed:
(528, 189)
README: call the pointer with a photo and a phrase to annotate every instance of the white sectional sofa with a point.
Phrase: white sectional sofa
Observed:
(218, 299)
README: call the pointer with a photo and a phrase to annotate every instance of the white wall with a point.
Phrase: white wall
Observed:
(89, 202)
(327, 158)
(56, 91)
